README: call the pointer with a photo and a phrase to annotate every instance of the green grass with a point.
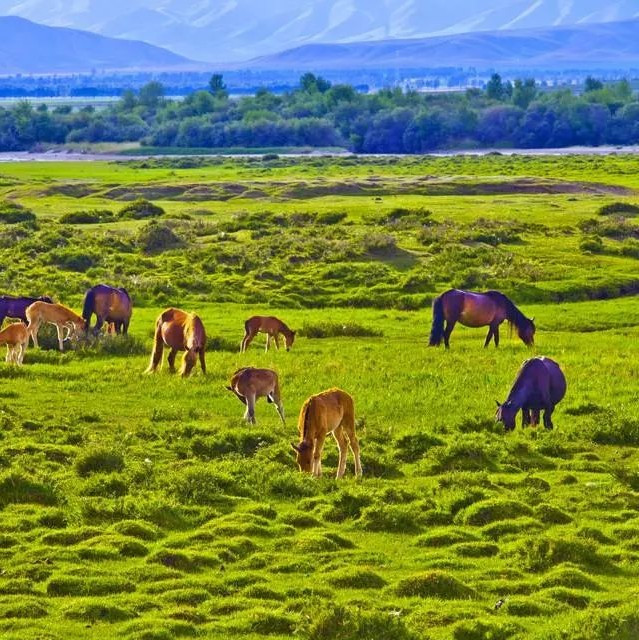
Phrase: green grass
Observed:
(138, 506)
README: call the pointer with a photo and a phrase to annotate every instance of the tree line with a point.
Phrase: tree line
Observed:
(319, 114)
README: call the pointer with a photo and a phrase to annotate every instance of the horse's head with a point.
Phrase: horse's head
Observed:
(45, 299)
(506, 413)
(289, 338)
(304, 455)
(76, 329)
(526, 331)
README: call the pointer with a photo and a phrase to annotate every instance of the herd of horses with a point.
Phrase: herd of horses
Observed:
(539, 386)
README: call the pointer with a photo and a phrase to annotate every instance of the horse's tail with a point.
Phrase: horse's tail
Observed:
(158, 347)
(303, 424)
(437, 330)
(89, 306)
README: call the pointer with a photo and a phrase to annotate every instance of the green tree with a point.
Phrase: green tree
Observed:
(128, 101)
(310, 83)
(151, 94)
(524, 92)
(592, 84)
(495, 89)
(217, 87)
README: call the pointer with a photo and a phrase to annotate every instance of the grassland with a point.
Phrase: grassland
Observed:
(143, 507)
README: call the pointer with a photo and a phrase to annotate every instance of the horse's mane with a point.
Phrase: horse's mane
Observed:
(285, 327)
(303, 427)
(513, 314)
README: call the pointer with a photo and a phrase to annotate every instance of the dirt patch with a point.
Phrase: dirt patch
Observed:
(71, 189)
(148, 192)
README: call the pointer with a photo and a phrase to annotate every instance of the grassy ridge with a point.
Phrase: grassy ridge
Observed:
(143, 507)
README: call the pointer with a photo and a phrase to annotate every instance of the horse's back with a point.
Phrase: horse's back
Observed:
(332, 406)
(557, 378)
(542, 372)
(110, 302)
(14, 333)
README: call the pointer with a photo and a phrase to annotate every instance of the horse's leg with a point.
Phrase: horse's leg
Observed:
(32, 328)
(548, 409)
(489, 336)
(276, 339)
(23, 348)
(9, 354)
(534, 417)
(171, 360)
(248, 338)
(268, 342)
(496, 335)
(450, 325)
(99, 321)
(317, 455)
(202, 361)
(60, 336)
(250, 408)
(342, 444)
(525, 416)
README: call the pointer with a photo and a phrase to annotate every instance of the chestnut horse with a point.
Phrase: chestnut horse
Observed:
(249, 384)
(110, 305)
(180, 331)
(16, 337)
(540, 385)
(327, 412)
(477, 310)
(271, 326)
(61, 317)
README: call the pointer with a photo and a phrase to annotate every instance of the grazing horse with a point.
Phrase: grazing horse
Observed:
(180, 331)
(269, 325)
(540, 385)
(61, 317)
(16, 307)
(110, 305)
(249, 384)
(327, 412)
(477, 310)
(16, 337)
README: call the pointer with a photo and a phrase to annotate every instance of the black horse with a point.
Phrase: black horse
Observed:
(11, 307)
(540, 385)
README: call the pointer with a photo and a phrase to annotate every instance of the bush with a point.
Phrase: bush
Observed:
(542, 553)
(16, 488)
(434, 584)
(94, 216)
(591, 244)
(156, 237)
(140, 209)
(73, 259)
(99, 460)
(619, 208)
(14, 213)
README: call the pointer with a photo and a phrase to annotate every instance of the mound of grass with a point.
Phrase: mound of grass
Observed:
(113, 345)
(73, 586)
(267, 623)
(569, 577)
(17, 488)
(551, 515)
(14, 213)
(502, 528)
(544, 552)
(444, 538)
(475, 549)
(354, 578)
(411, 447)
(394, 518)
(488, 511)
(571, 597)
(619, 208)
(328, 329)
(98, 460)
(96, 612)
(434, 584)
(140, 209)
(25, 608)
(107, 486)
(137, 529)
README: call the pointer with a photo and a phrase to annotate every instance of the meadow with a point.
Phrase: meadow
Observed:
(143, 507)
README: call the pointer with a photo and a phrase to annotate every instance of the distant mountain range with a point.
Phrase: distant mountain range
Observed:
(27, 47)
(613, 44)
(226, 31)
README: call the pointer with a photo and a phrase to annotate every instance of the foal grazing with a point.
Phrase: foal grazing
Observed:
(181, 331)
(16, 337)
(540, 385)
(272, 327)
(61, 317)
(477, 310)
(249, 384)
(110, 305)
(327, 412)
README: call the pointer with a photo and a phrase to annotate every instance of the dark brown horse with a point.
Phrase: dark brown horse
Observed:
(477, 310)
(180, 331)
(540, 385)
(11, 307)
(110, 305)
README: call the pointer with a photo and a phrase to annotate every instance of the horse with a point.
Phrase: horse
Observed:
(327, 412)
(272, 327)
(249, 384)
(472, 309)
(61, 317)
(11, 307)
(180, 331)
(16, 337)
(540, 385)
(110, 305)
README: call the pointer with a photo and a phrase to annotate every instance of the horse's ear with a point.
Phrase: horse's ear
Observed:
(229, 388)
(498, 403)
(532, 319)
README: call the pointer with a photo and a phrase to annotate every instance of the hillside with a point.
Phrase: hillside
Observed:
(27, 47)
(607, 44)
(243, 29)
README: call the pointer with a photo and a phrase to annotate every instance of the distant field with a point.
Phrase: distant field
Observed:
(143, 507)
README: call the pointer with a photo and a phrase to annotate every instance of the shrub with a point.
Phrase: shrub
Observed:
(94, 216)
(591, 244)
(140, 209)
(331, 217)
(14, 213)
(434, 584)
(16, 488)
(99, 460)
(542, 553)
(156, 237)
(338, 329)
(413, 446)
(73, 259)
